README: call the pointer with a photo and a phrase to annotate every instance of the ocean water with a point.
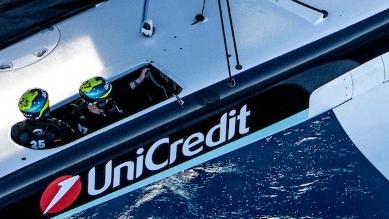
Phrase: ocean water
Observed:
(312, 170)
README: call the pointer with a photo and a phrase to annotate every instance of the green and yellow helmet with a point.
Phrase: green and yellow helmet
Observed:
(34, 103)
(95, 89)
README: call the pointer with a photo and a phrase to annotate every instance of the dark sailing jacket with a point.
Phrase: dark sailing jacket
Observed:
(42, 133)
(85, 121)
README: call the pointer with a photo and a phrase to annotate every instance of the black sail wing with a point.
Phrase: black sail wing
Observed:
(22, 18)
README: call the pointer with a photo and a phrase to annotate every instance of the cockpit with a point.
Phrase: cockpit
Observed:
(155, 88)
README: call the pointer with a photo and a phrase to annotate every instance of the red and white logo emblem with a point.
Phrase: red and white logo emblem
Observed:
(60, 194)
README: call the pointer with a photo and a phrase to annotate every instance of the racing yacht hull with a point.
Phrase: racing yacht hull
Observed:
(209, 119)
(206, 118)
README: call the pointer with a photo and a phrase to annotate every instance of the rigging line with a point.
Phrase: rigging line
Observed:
(202, 10)
(231, 80)
(324, 12)
(238, 65)
(145, 6)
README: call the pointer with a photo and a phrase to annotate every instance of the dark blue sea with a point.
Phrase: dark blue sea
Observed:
(312, 170)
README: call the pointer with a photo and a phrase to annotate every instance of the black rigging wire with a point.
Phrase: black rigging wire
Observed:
(231, 81)
(238, 65)
(145, 6)
(202, 10)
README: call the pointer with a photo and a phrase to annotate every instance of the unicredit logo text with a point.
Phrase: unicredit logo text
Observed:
(60, 194)
(229, 125)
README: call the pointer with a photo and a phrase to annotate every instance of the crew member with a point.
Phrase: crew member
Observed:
(97, 108)
(39, 130)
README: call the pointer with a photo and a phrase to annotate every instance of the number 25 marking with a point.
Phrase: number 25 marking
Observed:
(40, 144)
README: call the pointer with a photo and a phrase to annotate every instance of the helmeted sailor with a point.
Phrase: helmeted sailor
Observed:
(39, 130)
(96, 108)
(102, 104)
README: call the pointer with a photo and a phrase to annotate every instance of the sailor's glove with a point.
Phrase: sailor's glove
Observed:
(82, 129)
(81, 126)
